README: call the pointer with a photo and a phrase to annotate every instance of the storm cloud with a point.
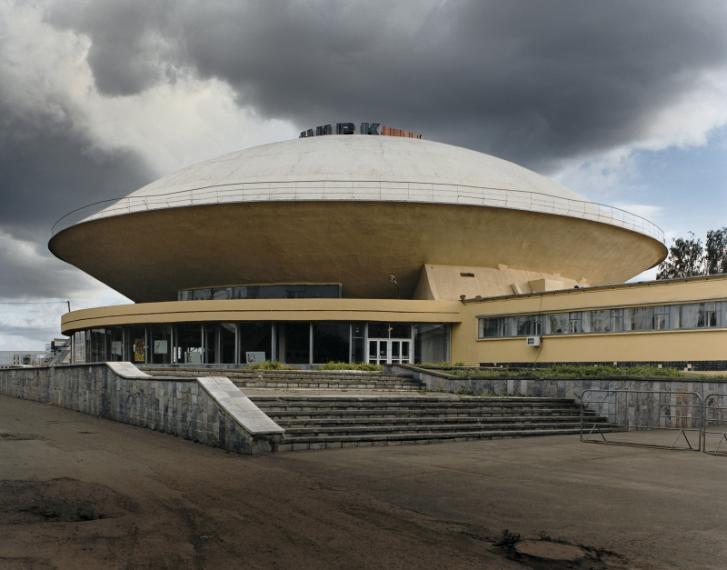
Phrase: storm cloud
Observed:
(98, 97)
(536, 82)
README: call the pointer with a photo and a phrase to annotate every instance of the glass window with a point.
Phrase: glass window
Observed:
(188, 344)
(358, 335)
(137, 345)
(117, 344)
(575, 322)
(662, 318)
(219, 343)
(226, 342)
(201, 294)
(431, 343)
(287, 291)
(98, 345)
(617, 320)
(255, 338)
(331, 342)
(160, 344)
(642, 318)
(222, 293)
(400, 330)
(707, 315)
(528, 325)
(378, 330)
(601, 321)
(558, 323)
(294, 343)
(492, 327)
(79, 347)
(689, 316)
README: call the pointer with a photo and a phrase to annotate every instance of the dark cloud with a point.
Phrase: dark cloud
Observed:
(536, 82)
(27, 269)
(49, 166)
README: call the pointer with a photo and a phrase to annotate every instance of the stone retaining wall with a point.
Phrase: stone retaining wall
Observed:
(199, 411)
(653, 402)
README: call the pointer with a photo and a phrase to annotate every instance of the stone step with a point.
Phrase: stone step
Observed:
(315, 385)
(300, 443)
(418, 400)
(404, 406)
(413, 413)
(273, 374)
(432, 429)
(395, 422)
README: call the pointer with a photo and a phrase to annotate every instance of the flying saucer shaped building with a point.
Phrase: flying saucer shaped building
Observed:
(352, 211)
(340, 247)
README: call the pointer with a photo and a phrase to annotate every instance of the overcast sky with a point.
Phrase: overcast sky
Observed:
(623, 101)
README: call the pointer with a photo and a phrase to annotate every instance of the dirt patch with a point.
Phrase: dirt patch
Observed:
(58, 500)
(24, 563)
(6, 436)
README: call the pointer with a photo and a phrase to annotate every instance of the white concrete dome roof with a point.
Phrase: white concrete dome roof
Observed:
(362, 158)
(364, 168)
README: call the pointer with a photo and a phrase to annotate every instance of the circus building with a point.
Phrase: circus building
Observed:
(372, 244)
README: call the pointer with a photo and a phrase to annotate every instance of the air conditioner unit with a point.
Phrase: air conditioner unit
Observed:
(533, 341)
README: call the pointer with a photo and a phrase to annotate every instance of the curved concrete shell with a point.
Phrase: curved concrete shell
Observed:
(351, 210)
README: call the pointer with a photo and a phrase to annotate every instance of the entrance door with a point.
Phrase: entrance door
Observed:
(389, 351)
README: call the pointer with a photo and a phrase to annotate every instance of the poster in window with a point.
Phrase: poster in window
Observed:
(139, 350)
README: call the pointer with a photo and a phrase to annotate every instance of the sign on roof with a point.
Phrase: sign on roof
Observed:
(364, 129)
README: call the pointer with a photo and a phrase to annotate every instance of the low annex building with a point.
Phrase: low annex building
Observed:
(379, 248)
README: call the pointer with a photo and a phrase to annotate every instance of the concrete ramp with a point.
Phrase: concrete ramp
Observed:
(239, 407)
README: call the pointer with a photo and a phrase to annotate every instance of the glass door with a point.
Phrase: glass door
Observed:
(399, 351)
(389, 351)
(378, 350)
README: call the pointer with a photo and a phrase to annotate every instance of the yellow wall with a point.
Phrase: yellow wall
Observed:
(383, 310)
(666, 346)
(691, 345)
(447, 281)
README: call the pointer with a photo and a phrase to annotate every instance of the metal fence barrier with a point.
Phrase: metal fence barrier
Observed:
(662, 412)
(714, 434)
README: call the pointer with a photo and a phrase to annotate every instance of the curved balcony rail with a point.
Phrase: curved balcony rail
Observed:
(364, 191)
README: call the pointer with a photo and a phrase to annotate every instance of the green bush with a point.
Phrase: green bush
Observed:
(562, 371)
(269, 365)
(361, 366)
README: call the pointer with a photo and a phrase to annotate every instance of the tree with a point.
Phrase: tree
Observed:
(716, 251)
(686, 258)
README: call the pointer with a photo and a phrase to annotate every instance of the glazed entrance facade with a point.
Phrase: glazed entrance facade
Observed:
(230, 343)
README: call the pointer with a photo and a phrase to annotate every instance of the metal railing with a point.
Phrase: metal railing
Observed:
(378, 191)
(714, 434)
(643, 410)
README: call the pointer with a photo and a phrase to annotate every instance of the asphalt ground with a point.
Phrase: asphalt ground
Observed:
(83, 492)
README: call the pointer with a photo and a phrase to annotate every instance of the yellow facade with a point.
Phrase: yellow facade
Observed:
(703, 344)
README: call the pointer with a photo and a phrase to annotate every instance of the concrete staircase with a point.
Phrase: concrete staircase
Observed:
(294, 380)
(321, 422)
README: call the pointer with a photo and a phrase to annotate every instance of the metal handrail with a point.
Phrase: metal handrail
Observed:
(386, 191)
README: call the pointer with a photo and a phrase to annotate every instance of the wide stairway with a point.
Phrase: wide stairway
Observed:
(320, 422)
(333, 409)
